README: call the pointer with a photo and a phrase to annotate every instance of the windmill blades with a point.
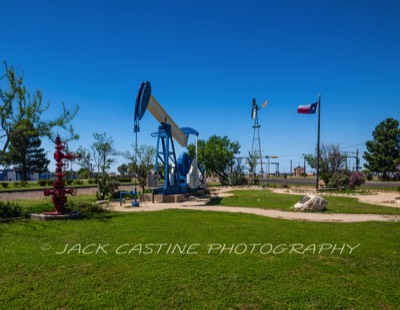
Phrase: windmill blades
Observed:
(254, 113)
(264, 104)
(254, 109)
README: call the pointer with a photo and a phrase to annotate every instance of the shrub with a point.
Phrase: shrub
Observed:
(90, 181)
(237, 176)
(107, 187)
(23, 183)
(356, 179)
(78, 182)
(9, 210)
(50, 182)
(69, 181)
(124, 180)
(42, 182)
(340, 179)
(16, 184)
(4, 184)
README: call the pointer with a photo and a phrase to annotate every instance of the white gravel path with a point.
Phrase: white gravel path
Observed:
(288, 215)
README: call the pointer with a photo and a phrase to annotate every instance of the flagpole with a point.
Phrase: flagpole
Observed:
(318, 149)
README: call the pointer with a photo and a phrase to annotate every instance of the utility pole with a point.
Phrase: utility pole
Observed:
(354, 155)
(318, 142)
(269, 163)
(357, 160)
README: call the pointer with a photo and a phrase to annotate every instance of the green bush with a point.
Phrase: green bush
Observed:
(4, 184)
(90, 181)
(237, 176)
(124, 180)
(16, 184)
(107, 187)
(23, 183)
(50, 182)
(9, 210)
(78, 182)
(69, 181)
(340, 179)
(42, 182)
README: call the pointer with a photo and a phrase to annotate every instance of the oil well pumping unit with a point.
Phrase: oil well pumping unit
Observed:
(180, 174)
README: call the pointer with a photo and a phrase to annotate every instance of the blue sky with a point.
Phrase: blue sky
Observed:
(206, 60)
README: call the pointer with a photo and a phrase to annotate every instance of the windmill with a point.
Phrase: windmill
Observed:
(256, 145)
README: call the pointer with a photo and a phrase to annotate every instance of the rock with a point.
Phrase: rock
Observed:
(100, 202)
(311, 203)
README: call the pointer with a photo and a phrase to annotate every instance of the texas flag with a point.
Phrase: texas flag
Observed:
(307, 109)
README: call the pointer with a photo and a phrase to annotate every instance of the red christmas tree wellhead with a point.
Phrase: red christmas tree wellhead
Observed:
(59, 191)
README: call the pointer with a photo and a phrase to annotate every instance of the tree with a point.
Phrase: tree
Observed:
(201, 144)
(25, 152)
(383, 152)
(123, 169)
(217, 155)
(84, 173)
(331, 161)
(311, 160)
(99, 159)
(17, 105)
(141, 163)
(252, 161)
(237, 175)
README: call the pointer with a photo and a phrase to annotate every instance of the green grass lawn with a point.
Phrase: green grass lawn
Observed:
(266, 199)
(33, 275)
(45, 204)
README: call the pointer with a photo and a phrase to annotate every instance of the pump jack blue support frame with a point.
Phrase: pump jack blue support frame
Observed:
(165, 154)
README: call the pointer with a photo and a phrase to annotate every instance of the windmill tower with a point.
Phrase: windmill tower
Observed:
(256, 145)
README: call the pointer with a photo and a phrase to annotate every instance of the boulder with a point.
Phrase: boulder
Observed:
(311, 203)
